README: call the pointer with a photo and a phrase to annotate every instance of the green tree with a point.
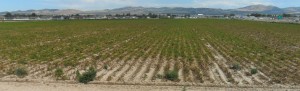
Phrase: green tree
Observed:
(8, 15)
(33, 15)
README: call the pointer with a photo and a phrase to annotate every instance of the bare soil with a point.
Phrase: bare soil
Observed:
(32, 86)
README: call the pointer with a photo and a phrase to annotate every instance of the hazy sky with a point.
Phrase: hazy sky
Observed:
(10, 5)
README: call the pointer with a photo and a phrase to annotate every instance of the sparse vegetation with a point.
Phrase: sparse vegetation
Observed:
(78, 74)
(253, 71)
(160, 76)
(87, 76)
(22, 62)
(59, 74)
(236, 67)
(184, 88)
(21, 72)
(105, 67)
(172, 75)
(10, 71)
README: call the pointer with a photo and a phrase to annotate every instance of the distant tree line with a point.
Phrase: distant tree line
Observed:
(9, 15)
(229, 15)
(270, 15)
(149, 15)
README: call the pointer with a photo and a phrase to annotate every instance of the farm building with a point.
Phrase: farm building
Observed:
(297, 19)
(21, 18)
(1, 18)
(214, 16)
(44, 18)
(197, 16)
(58, 18)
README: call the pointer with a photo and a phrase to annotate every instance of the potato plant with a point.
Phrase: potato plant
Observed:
(200, 50)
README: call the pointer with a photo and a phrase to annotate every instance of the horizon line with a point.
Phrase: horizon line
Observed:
(140, 6)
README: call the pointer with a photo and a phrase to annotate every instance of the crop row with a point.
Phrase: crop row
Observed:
(162, 51)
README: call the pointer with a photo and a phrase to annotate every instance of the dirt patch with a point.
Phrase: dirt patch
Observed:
(119, 74)
(19, 86)
(142, 71)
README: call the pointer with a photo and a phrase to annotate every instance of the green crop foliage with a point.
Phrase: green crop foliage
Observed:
(59, 74)
(253, 71)
(181, 43)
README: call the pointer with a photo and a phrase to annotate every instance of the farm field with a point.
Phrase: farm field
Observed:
(200, 52)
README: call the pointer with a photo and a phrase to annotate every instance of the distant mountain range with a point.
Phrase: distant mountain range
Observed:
(47, 12)
(264, 9)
